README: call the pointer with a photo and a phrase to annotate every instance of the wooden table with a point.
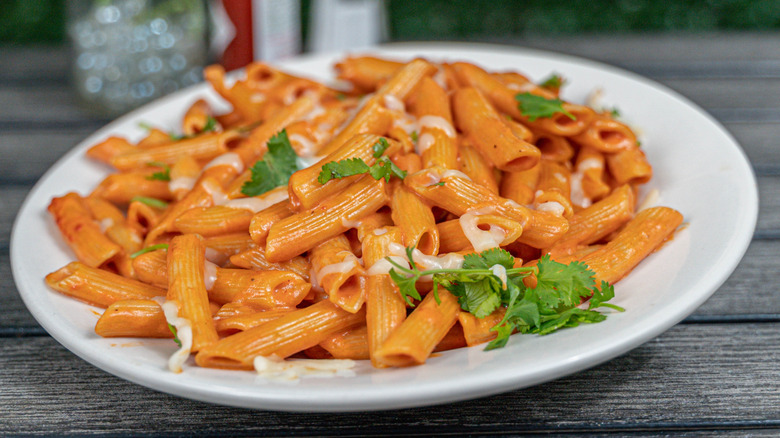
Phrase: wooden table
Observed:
(716, 373)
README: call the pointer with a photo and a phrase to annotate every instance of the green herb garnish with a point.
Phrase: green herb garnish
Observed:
(275, 169)
(151, 202)
(149, 249)
(535, 107)
(549, 306)
(164, 175)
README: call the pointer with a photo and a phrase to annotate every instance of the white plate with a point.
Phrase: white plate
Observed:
(699, 170)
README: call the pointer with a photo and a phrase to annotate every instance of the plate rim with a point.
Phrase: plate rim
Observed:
(740, 241)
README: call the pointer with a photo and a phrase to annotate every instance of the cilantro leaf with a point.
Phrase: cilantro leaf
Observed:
(383, 168)
(149, 249)
(275, 169)
(380, 147)
(342, 169)
(563, 285)
(535, 107)
(164, 175)
(175, 334)
(151, 202)
(552, 82)
(210, 126)
(550, 305)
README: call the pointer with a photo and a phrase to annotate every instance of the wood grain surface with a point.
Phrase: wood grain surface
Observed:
(715, 374)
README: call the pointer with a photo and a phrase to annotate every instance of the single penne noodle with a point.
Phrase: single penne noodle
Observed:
(283, 337)
(254, 258)
(133, 319)
(630, 166)
(228, 244)
(202, 147)
(98, 287)
(520, 186)
(452, 340)
(477, 118)
(436, 137)
(121, 188)
(305, 189)
(339, 273)
(152, 268)
(260, 289)
(349, 344)
(366, 73)
(588, 182)
(452, 238)
(414, 340)
(263, 220)
(522, 132)
(645, 233)
(155, 137)
(300, 232)
(597, 221)
(385, 309)
(237, 323)
(414, 218)
(473, 164)
(196, 118)
(109, 148)
(553, 190)
(186, 284)
(368, 224)
(142, 216)
(607, 135)
(114, 225)
(214, 220)
(479, 330)
(184, 176)
(81, 232)
(553, 147)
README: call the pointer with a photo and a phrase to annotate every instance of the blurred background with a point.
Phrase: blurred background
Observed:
(127, 52)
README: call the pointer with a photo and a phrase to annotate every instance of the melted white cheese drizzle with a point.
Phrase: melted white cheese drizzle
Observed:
(500, 272)
(350, 224)
(553, 207)
(305, 146)
(425, 141)
(347, 263)
(277, 369)
(227, 159)
(215, 256)
(481, 240)
(577, 193)
(209, 274)
(183, 332)
(437, 122)
(182, 183)
(105, 224)
(393, 103)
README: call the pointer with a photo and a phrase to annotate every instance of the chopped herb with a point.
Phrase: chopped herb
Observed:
(175, 334)
(151, 202)
(383, 168)
(275, 169)
(146, 126)
(414, 135)
(548, 306)
(638, 143)
(341, 96)
(380, 147)
(164, 175)
(614, 112)
(535, 107)
(440, 183)
(149, 249)
(553, 82)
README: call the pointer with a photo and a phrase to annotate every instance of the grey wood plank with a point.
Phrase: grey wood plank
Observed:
(34, 63)
(686, 378)
(27, 154)
(749, 293)
(42, 102)
(733, 94)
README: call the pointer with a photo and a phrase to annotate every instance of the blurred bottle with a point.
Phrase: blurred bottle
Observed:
(337, 25)
(266, 30)
(128, 52)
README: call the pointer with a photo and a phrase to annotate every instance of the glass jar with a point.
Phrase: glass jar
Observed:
(128, 52)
